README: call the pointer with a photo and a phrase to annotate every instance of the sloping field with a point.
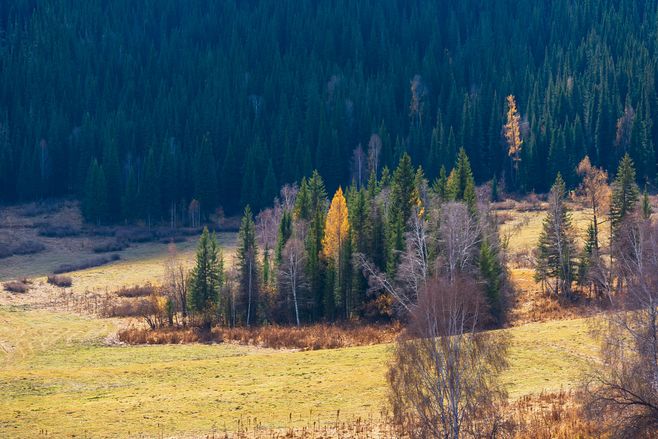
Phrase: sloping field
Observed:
(59, 376)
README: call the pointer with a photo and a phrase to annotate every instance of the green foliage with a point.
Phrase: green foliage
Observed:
(266, 108)
(95, 207)
(491, 271)
(646, 205)
(556, 248)
(206, 280)
(248, 267)
(625, 193)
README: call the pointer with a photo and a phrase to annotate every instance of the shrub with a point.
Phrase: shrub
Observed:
(135, 235)
(126, 308)
(63, 231)
(136, 291)
(166, 336)
(28, 248)
(89, 263)
(60, 281)
(16, 286)
(313, 337)
(111, 246)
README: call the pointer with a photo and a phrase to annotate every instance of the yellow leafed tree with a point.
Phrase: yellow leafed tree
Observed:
(337, 227)
(513, 132)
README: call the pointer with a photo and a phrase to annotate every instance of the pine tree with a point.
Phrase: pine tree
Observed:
(646, 205)
(556, 249)
(317, 199)
(206, 280)
(149, 189)
(284, 233)
(401, 202)
(130, 200)
(625, 194)
(247, 256)
(491, 271)
(94, 204)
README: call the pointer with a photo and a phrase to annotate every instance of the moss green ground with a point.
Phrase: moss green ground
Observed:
(58, 375)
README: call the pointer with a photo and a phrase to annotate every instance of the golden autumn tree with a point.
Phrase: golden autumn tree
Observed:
(337, 227)
(336, 236)
(513, 133)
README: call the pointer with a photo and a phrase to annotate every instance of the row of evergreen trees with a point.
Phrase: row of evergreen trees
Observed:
(223, 102)
(599, 266)
(303, 260)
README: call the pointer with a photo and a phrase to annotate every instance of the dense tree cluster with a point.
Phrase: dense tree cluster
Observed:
(168, 110)
(368, 252)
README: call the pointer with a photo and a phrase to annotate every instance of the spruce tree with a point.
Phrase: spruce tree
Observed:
(556, 248)
(206, 280)
(646, 205)
(625, 194)
(247, 257)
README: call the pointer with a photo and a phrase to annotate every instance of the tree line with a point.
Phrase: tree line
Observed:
(183, 109)
(365, 255)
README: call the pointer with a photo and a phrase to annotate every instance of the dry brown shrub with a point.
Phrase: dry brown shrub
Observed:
(60, 281)
(166, 336)
(312, 337)
(16, 286)
(125, 307)
(136, 291)
(552, 416)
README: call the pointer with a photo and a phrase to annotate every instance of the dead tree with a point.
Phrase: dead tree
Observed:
(444, 374)
(623, 389)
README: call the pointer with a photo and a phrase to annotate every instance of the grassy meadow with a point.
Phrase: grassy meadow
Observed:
(63, 374)
(59, 375)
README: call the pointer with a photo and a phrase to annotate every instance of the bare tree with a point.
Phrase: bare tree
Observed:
(374, 152)
(460, 235)
(358, 166)
(419, 93)
(444, 374)
(625, 128)
(288, 196)
(596, 190)
(176, 282)
(292, 277)
(624, 388)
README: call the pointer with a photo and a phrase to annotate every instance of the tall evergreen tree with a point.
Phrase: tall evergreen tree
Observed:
(206, 280)
(248, 267)
(625, 193)
(556, 248)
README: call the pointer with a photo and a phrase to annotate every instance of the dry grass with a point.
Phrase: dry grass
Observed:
(311, 337)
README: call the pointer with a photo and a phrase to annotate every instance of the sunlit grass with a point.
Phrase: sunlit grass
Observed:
(59, 375)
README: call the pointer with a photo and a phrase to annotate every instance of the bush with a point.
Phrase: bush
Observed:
(89, 263)
(60, 281)
(16, 286)
(136, 235)
(166, 336)
(29, 248)
(126, 308)
(63, 231)
(42, 208)
(136, 291)
(313, 337)
(111, 246)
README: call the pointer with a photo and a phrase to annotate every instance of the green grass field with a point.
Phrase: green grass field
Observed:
(59, 376)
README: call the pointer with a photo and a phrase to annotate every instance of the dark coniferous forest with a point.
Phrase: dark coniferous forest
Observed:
(142, 107)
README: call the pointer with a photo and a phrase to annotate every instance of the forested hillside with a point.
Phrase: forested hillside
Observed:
(146, 106)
